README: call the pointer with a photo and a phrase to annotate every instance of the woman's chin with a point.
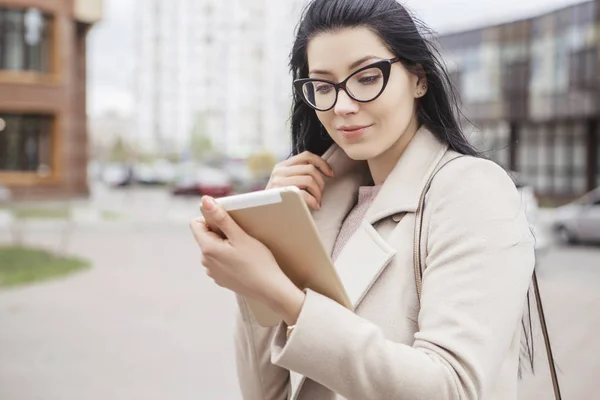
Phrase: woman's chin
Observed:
(360, 151)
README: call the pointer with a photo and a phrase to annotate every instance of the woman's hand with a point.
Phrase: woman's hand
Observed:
(304, 171)
(244, 265)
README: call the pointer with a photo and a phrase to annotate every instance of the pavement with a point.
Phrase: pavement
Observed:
(143, 323)
(146, 323)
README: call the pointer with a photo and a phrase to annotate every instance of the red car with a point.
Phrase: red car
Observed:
(204, 181)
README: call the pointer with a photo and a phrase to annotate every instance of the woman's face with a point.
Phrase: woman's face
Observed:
(363, 130)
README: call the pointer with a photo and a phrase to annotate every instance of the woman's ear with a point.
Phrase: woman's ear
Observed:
(421, 82)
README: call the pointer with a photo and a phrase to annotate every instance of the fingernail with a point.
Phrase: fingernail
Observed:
(209, 203)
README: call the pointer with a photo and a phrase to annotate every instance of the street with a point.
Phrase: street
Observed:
(146, 323)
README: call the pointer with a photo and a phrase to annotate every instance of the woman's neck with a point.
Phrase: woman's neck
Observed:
(381, 166)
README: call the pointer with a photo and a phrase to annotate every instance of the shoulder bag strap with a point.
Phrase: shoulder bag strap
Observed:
(418, 266)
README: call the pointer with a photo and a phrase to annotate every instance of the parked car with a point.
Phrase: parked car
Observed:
(530, 203)
(160, 172)
(203, 181)
(528, 199)
(579, 221)
(117, 175)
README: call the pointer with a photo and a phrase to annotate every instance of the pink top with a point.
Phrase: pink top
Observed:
(366, 195)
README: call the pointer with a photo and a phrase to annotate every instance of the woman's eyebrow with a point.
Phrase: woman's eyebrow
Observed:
(351, 66)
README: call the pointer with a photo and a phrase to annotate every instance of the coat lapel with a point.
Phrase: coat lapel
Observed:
(362, 260)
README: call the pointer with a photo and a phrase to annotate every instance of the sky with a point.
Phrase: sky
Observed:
(111, 42)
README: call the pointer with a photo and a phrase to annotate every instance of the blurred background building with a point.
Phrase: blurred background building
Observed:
(533, 87)
(206, 77)
(213, 68)
(43, 134)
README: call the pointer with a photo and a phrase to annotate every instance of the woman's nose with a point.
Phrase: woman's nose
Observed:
(345, 104)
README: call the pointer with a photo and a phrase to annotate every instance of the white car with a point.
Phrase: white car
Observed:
(115, 174)
(579, 221)
(531, 206)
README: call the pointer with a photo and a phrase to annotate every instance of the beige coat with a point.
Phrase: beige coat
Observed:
(464, 340)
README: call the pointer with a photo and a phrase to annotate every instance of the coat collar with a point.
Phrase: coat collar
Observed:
(401, 190)
(403, 187)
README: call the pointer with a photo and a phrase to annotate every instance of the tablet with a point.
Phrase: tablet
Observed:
(281, 220)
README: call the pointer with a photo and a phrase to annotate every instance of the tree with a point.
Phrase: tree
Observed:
(119, 151)
(200, 143)
(200, 146)
(262, 163)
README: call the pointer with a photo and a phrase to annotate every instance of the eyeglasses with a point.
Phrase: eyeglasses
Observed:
(363, 85)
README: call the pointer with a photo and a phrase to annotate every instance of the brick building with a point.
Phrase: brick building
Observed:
(533, 88)
(43, 133)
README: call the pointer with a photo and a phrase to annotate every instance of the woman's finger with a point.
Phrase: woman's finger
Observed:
(221, 220)
(304, 182)
(305, 169)
(318, 162)
(202, 232)
(310, 201)
(309, 158)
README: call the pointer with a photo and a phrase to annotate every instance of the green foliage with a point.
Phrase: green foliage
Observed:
(201, 145)
(21, 265)
(119, 151)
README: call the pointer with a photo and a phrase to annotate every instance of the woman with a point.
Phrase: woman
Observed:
(373, 118)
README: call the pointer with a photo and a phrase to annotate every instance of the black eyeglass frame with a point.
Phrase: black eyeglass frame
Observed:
(385, 66)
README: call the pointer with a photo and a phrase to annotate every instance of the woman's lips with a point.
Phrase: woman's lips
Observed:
(353, 132)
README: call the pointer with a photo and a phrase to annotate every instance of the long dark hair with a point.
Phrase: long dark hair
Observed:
(406, 37)
(411, 40)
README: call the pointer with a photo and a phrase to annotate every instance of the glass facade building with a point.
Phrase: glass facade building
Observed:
(532, 89)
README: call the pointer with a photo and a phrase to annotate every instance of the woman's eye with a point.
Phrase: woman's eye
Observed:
(366, 80)
(323, 89)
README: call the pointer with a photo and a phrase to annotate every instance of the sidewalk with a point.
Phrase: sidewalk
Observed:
(143, 323)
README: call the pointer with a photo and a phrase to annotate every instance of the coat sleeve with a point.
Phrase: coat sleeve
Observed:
(259, 379)
(478, 269)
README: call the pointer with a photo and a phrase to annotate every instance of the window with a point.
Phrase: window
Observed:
(562, 159)
(570, 158)
(579, 164)
(590, 67)
(527, 153)
(561, 64)
(26, 143)
(598, 157)
(553, 158)
(25, 40)
(582, 69)
(544, 171)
